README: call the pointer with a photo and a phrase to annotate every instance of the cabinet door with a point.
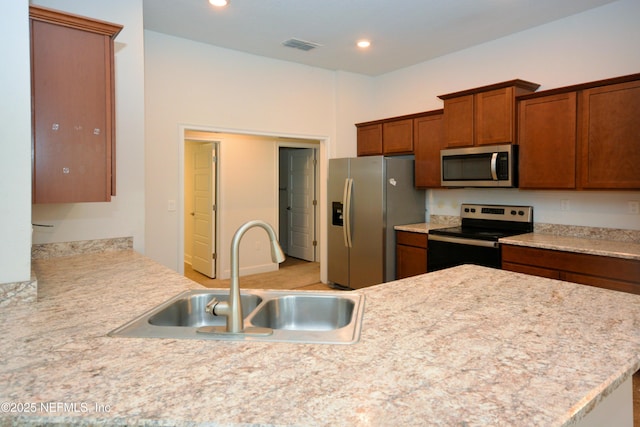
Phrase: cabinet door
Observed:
(397, 137)
(428, 140)
(547, 139)
(73, 148)
(495, 117)
(411, 261)
(411, 254)
(370, 140)
(459, 121)
(610, 138)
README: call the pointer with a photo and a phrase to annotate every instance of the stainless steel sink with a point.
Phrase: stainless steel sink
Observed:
(188, 310)
(303, 316)
(305, 312)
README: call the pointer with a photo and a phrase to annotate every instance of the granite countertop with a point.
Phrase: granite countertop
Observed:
(422, 227)
(611, 248)
(626, 244)
(464, 346)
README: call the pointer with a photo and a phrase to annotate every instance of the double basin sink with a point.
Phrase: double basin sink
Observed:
(304, 317)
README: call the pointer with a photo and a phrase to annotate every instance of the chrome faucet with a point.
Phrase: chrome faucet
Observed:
(232, 309)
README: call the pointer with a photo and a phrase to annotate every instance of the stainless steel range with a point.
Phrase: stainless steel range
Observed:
(475, 241)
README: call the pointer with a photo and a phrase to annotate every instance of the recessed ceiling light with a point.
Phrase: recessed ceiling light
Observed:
(219, 3)
(364, 43)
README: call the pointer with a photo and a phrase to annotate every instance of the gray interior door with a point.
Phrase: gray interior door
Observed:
(301, 206)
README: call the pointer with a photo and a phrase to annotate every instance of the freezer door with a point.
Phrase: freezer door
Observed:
(405, 205)
(338, 253)
(367, 221)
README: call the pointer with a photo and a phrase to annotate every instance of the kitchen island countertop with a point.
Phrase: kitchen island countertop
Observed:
(464, 346)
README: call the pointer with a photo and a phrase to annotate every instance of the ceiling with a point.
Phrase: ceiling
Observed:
(402, 32)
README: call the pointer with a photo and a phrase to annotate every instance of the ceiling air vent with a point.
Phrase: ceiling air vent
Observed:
(300, 44)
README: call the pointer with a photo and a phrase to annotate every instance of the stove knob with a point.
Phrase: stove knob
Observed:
(513, 212)
(466, 210)
(521, 213)
(473, 210)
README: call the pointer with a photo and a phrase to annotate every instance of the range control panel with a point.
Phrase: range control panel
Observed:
(497, 212)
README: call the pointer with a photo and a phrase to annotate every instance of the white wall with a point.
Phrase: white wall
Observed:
(15, 144)
(124, 215)
(198, 85)
(597, 44)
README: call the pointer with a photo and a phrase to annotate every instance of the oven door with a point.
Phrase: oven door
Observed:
(445, 251)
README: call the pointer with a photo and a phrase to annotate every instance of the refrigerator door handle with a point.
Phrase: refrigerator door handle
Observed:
(346, 202)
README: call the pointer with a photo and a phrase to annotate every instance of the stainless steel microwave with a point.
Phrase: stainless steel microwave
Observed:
(486, 166)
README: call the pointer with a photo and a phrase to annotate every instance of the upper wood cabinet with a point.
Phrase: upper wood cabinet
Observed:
(420, 134)
(584, 136)
(397, 137)
(547, 139)
(72, 72)
(369, 139)
(610, 137)
(392, 136)
(483, 116)
(428, 140)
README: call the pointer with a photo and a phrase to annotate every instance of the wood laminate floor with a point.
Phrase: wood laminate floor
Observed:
(293, 274)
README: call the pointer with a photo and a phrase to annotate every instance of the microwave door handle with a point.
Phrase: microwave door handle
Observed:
(494, 166)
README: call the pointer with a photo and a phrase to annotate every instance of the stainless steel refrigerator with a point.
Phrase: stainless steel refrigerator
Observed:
(368, 196)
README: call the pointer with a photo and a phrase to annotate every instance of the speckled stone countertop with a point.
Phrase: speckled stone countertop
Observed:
(611, 248)
(589, 240)
(422, 227)
(465, 346)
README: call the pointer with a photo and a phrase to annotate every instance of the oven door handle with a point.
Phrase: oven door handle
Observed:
(464, 241)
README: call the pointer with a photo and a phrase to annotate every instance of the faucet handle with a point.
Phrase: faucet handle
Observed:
(211, 306)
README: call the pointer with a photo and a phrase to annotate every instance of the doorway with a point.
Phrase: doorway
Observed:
(246, 185)
(298, 202)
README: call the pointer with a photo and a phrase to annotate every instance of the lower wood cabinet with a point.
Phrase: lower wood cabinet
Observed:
(619, 274)
(411, 254)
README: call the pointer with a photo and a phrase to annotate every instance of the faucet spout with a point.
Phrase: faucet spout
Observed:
(233, 308)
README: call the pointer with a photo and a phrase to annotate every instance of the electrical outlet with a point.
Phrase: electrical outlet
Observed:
(171, 205)
(634, 207)
(565, 205)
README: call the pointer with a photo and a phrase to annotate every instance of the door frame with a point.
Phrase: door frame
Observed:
(321, 172)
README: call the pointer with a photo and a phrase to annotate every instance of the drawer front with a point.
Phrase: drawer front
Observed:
(532, 270)
(419, 240)
(621, 269)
